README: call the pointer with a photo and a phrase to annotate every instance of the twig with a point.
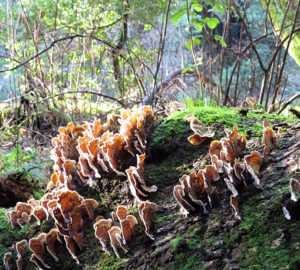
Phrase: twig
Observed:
(70, 92)
(161, 49)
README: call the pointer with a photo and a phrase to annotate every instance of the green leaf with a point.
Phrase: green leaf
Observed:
(177, 15)
(198, 26)
(211, 22)
(222, 42)
(147, 27)
(219, 7)
(197, 7)
(188, 69)
(190, 43)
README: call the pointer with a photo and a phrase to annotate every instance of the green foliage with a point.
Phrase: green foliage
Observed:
(211, 22)
(24, 161)
(193, 10)
(166, 218)
(184, 262)
(176, 242)
(277, 11)
(219, 38)
(9, 236)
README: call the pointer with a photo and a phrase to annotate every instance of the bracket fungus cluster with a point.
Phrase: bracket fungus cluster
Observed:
(68, 210)
(86, 152)
(248, 104)
(269, 137)
(121, 236)
(205, 187)
(295, 191)
(137, 184)
(201, 133)
(174, 106)
(82, 154)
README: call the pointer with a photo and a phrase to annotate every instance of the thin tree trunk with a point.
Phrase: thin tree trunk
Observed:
(277, 85)
(225, 36)
(294, 97)
(269, 85)
(115, 53)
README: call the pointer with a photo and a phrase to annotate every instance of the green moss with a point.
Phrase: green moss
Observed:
(175, 127)
(9, 236)
(176, 242)
(184, 262)
(38, 194)
(166, 218)
(263, 244)
(107, 262)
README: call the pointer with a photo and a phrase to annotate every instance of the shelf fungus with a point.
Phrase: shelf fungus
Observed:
(101, 227)
(20, 248)
(183, 200)
(238, 143)
(147, 212)
(129, 227)
(193, 192)
(201, 133)
(205, 187)
(97, 149)
(81, 154)
(253, 163)
(121, 212)
(71, 246)
(235, 206)
(295, 189)
(137, 184)
(217, 163)
(36, 245)
(269, 137)
(6, 260)
(51, 238)
(115, 236)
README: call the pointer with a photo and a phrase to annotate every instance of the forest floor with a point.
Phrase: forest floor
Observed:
(262, 239)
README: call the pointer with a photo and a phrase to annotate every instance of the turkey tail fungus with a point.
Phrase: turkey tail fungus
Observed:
(6, 260)
(295, 189)
(225, 158)
(201, 133)
(147, 211)
(115, 236)
(20, 247)
(101, 227)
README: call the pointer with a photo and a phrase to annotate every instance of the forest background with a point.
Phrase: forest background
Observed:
(69, 60)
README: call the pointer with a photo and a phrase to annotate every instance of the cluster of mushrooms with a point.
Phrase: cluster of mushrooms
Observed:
(82, 155)
(228, 169)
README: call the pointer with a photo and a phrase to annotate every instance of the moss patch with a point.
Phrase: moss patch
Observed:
(266, 242)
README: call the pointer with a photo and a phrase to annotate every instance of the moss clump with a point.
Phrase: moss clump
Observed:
(266, 242)
(177, 242)
(175, 128)
(184, 262)
(166, 218)
(9, 236)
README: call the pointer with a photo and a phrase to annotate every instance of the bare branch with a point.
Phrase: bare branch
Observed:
(68, 92)
(294, 97)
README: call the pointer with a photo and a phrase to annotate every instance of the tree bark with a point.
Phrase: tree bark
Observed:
(115, 53)
(294, 97)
